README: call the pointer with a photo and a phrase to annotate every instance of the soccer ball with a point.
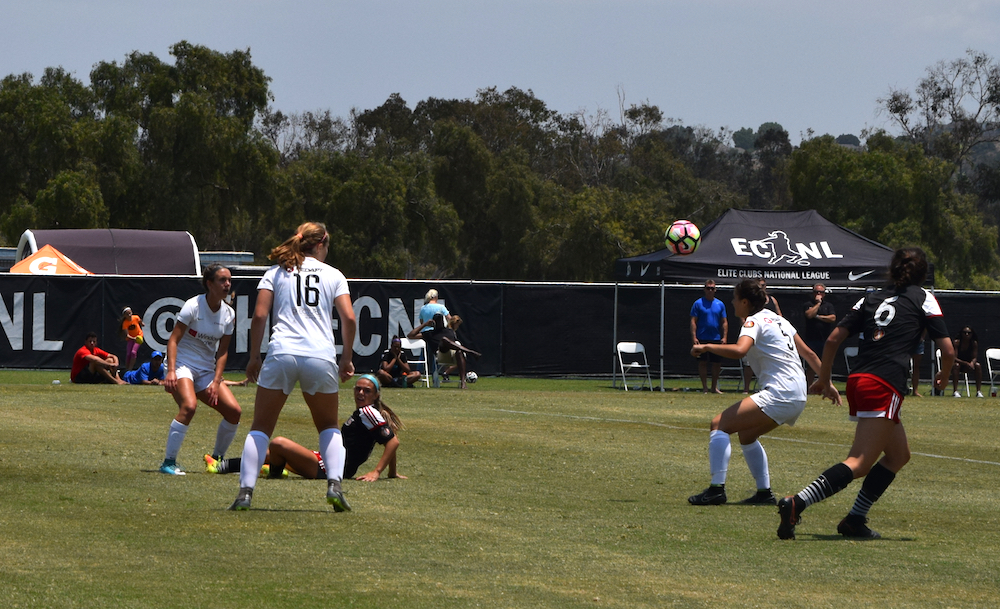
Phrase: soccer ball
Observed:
(471, 377)
(682, 237)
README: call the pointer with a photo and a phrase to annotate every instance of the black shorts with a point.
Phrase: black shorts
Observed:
(710, 357)
(86, 377)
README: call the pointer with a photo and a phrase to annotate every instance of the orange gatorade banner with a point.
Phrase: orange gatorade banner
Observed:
(48, 261)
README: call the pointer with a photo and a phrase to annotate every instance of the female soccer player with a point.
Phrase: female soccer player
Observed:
(772, 348)
(892, 320)
(300, 294)
(196, 358)
(372, 423)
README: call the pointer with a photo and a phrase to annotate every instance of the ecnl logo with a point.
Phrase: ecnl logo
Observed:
(778, 247)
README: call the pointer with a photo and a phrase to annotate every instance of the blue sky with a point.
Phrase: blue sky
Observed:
(714, 63)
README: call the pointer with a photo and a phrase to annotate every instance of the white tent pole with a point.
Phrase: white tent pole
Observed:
(614, 341)
(662, 330)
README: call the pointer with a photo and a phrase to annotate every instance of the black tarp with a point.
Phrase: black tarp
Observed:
(113, 251)
(797, 248)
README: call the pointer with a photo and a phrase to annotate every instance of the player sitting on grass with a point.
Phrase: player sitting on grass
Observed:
(772, 348)
(371, 423)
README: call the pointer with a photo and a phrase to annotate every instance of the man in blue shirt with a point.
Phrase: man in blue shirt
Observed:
(709, 325)
(150, 373)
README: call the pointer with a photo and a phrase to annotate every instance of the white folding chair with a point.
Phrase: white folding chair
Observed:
(937, 358)
(849, 354)
(635, 350)
(418, 349)
(993, 355)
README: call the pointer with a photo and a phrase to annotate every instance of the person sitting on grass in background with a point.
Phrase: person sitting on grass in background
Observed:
(371, 423)
(93, 365)
(131, 331)
(773, 349)
(150, 373)
(394, 370)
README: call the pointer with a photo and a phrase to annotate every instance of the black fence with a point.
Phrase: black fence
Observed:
(522, 329)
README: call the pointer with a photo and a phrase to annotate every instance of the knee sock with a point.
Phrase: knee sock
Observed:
(829, 483)
(756, 460)
(174, 439)
(719, 452)
(877, 480)
(254, 452)
(331, 448)
(224, 437)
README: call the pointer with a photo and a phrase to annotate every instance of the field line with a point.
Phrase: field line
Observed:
(665, 426)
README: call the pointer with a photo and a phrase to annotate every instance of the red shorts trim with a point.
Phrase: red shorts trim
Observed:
(868, 396)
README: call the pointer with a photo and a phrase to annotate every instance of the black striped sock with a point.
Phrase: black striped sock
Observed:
(829, 483)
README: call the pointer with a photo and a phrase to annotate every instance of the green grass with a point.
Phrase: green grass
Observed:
(522, 493)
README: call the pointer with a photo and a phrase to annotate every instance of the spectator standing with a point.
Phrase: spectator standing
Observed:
(709, 326)
(821, 316)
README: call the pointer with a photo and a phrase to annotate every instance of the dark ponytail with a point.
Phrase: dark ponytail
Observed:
(908, 267)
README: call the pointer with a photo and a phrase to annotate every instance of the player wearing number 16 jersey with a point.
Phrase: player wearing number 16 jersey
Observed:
(891, 321)
(300, 294)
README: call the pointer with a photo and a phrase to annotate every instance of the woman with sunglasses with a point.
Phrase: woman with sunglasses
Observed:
(892, 321)
(300, 294)
(967, 360)
(371, 423)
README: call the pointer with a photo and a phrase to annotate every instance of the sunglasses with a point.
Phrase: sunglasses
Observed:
(710, 289)
(819, 291)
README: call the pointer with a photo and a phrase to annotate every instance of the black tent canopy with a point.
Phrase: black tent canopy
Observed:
(783, 247)
(788, 248)
(114, 251)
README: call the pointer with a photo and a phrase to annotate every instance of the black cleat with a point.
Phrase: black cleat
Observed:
(789, 517)
(856, 527)
(764, 497)
(243, 498)
(335, 497)
(713, 495)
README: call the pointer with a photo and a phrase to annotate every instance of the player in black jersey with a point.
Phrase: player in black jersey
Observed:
(891, 321)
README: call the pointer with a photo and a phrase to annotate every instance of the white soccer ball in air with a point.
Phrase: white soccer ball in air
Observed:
(471, 377)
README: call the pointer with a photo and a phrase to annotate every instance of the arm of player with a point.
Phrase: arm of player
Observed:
(736, 351)
(947, 362)
(260, 312)
(388, 460)
(829, 391)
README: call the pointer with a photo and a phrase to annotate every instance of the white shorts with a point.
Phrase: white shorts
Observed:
(313, 374)
(200, 378)
(784, 409)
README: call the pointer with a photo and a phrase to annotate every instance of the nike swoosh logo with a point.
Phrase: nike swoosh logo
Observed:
(852, 276)
(644, 269)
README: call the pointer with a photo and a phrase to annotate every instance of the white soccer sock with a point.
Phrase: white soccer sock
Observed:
(719, 451)
(254, 453)
(331, 448)
(756, 460)
(224, 437)
(175, 438)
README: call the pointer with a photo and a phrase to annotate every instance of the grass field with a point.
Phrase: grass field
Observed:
(521, 493)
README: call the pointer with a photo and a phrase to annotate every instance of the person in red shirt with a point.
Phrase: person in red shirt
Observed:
(93, 365)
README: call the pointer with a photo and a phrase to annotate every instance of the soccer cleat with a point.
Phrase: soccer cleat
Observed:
(713, 495)
(243, 498)
(979, 394)
(856, 527)
(789, 518)
(956, 395)
(335, 496)
(763, 497)
(265, 472)
(212, 464)
(170, 467)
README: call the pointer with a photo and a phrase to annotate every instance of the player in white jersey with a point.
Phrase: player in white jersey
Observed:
(772, 347)
(196, 358)
(300, 293)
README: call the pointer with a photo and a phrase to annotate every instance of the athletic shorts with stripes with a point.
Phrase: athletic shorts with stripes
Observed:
(870, 397)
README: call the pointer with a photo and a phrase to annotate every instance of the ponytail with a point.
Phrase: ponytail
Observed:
(293, 251)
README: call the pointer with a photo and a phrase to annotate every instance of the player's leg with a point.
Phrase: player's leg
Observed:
(187, 403)
(226, 405)
(284, 453)
(878, 479)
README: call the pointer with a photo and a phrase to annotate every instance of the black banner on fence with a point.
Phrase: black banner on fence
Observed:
(521, 329)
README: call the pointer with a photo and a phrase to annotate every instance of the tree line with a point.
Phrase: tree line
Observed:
(498, 186)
